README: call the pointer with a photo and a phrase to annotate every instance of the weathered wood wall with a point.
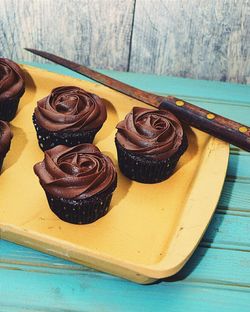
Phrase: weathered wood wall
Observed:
(199, 38)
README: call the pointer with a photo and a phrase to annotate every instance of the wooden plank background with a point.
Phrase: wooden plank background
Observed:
(198, 39)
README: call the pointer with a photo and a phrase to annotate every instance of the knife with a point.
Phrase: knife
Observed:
(211, 123)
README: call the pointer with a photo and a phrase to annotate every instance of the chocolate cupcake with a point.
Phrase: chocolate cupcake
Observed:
(149, 144)
(5, 140)
(68, 116)
(11, 88)
(78, 181)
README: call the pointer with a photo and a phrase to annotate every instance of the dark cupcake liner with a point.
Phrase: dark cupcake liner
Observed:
(48, 139)
(9, 107)
(146, 170)
(3, 155)
(81, 211)
(1, 162)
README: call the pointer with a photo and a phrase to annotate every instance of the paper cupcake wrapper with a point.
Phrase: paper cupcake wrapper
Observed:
(81, 211)
(8, 109)
(3, 155)
(145, 170)
(1, 163)
(48, 139)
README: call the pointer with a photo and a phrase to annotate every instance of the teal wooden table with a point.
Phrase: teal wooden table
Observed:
(216, 278)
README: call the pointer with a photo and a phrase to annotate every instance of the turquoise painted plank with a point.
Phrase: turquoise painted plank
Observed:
(236, 151)
(239, 167)
(13, 253)
(66, 292)
(13, 308)
(235, 196)
(233, 267)
(228, 232)
(217, 266)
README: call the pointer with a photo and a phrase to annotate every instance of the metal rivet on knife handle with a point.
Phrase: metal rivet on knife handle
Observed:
(214, 124)
(243, 129)
(179, 103)
(210, 116)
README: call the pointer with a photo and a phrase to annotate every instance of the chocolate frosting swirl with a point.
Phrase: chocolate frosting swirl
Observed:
(156, 134)
(11, 79)
(5, 138)
(70, 108)
(75, 172)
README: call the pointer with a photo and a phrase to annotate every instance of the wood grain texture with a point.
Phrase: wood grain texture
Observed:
(96, 33)
(34, 291)
(200, 39)
(210, 270)
(230, 270)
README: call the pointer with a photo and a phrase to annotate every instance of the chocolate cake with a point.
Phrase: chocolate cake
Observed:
(78, 181)
(12, 87)
(149, 144)
(68, 116)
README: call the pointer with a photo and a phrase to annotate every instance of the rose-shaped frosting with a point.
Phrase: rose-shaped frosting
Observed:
(5, 138)
(155, 134)
(11, 80)
(70, 108)
(75, 172)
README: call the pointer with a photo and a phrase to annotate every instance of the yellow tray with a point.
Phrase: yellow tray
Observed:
(149, 232)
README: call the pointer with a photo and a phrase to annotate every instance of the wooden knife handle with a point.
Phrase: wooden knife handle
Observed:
(214, 124)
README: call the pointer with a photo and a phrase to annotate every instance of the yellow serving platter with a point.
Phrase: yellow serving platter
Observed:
(150, 231)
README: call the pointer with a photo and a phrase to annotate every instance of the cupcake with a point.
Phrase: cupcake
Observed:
(78, 181)
(5, 140)
(11, 88)
(68, 116)
(149, 144)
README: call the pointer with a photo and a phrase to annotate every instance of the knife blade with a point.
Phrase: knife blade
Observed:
(223, 128)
